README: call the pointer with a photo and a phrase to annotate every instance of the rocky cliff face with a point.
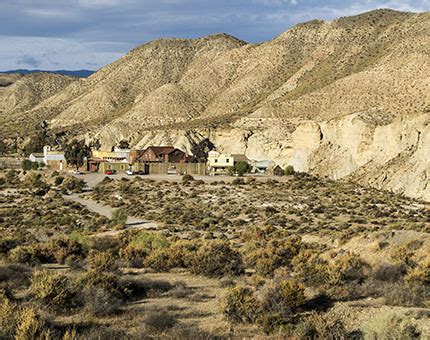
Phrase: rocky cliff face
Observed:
(349, 97)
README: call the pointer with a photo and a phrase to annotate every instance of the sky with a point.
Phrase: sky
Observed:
(88, 34)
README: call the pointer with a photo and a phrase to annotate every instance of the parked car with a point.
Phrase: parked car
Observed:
(110, 172)
(77, 172)
(130, 172)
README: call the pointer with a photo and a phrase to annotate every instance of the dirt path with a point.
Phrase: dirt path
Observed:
(105, 210)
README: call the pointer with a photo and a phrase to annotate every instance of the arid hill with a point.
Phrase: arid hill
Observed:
(349, 97)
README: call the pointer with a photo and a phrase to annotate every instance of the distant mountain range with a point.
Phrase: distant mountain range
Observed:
(76, 73)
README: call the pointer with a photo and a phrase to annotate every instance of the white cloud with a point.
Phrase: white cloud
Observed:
(53, 53)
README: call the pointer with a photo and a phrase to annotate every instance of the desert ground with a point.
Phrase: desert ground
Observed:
(93, 256)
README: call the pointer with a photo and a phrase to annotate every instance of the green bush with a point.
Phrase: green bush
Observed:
(240, 305)
(217, 259)
(27, 165)
(119, 217)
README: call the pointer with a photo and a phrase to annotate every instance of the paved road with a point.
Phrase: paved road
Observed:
(105, 210)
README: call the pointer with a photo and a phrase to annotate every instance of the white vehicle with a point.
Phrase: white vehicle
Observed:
(129, 172)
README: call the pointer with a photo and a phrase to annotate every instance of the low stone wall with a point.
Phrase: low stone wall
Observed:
(180, 168)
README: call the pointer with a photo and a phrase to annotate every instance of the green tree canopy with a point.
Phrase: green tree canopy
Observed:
(75, 152)
(200, 150)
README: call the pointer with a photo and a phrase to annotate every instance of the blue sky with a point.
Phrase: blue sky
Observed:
(75, 34)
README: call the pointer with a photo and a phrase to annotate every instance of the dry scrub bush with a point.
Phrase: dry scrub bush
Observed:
(240, 305)
(53, 290)
(100, 302)
(159, 322)
(279, 300)
(20, 322)
(389, 325)
(217, 259)
(101, 261)
(97, 279)
(317, 326)
(419, 275)
(73, 184)
(267, 257)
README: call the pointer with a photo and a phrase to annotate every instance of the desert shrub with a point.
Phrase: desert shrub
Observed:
(134, 256)
(9, 318)
(7, 243)
(279, 300)
(119, 217)
(403, 255)
(389, 325)
(182, 253)
(274, 254)
(18, 322)
(35, 181)
(390, 273)
(73, 184)
(102, 261)
(61, 248)
(401, 294)
(317, 326)
(310, 268)
(11, 177)
(238, 181)
(16, 274)
(31, 325)
(159, 321)
(187, 178)
(240, 305)
(159, 260)
(58, 180)
(100, 302)
(107, 281)
(419, 275)
(30, 255)
(53, 290)
(148, 241)
(216, 259)
(346, 268)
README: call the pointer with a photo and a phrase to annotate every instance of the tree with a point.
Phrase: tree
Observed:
(289, 170)
(200, 150)
(241, 167)
(95, 145)
(26, 165)
(124, 144)
(75, 153)
(38, 139)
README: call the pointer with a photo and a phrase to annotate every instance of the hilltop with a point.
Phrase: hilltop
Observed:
(348, 97)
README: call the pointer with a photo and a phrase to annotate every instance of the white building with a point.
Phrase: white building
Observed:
(219, 162)
(37, 157)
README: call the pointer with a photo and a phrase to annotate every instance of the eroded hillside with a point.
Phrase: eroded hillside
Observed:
(339, 98)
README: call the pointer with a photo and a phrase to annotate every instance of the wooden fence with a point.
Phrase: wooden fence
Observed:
(179, 168)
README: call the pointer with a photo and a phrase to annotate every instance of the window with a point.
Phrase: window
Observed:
(216, 160)
(227, 160)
